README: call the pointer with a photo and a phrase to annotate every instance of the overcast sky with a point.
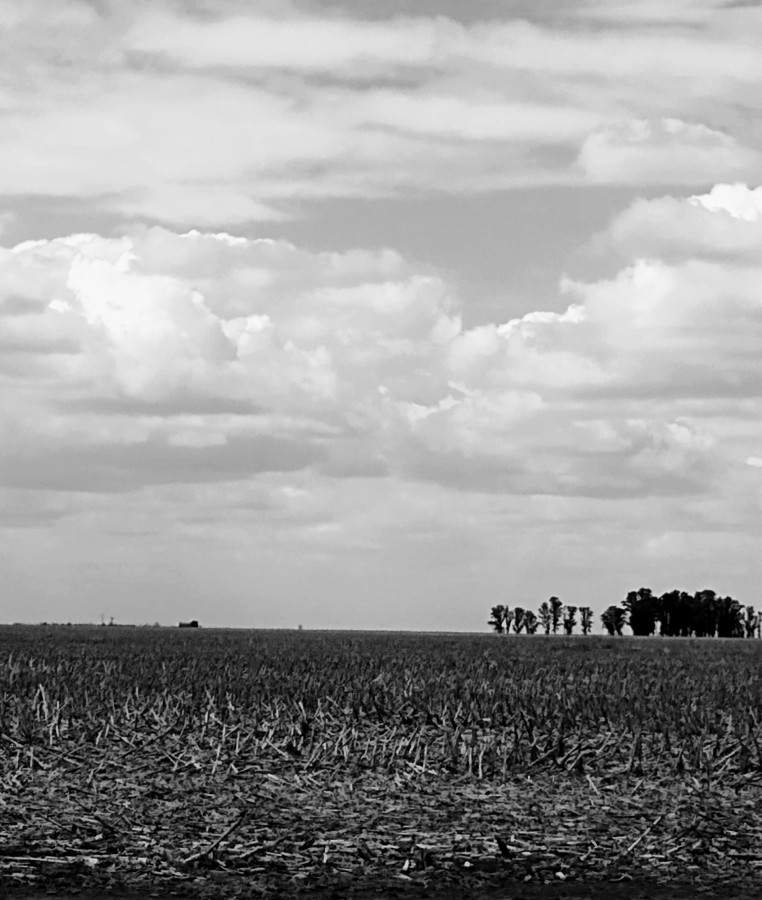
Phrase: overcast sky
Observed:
(375, 314)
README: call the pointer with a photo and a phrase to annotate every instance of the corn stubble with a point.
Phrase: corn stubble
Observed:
(485, 707)
(296, 758)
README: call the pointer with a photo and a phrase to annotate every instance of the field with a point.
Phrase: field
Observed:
(224, 763)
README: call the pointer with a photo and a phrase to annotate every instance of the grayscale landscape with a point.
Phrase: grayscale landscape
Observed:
(380, 448)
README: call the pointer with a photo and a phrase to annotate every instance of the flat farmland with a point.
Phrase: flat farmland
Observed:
(231, 762)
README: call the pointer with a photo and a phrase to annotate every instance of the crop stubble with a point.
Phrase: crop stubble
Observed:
(206, 761)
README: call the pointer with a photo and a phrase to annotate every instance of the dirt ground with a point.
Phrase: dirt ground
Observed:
(374, 889)
(329, 837)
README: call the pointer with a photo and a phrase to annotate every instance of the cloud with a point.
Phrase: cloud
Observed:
(668, 151)
(196, 356)
(725, 223)
(649, 12)
(230, 117)
(160, 357)
(241, 417)
(299, 43)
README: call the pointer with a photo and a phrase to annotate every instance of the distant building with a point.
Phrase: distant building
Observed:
(192, 624)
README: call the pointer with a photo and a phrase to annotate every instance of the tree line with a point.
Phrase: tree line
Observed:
(672, 614)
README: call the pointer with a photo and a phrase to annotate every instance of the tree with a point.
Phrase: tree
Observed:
(750, 622)
(530, 622)
(614, 619)
(704, 613)
(586, 619)
(679, 614)
(555, 613)
(518, 619)
(497, 619)
(640, 606)
(570, 618)
(545, 616)
(729, 617)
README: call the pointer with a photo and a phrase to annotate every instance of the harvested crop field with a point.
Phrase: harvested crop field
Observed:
(224, 763)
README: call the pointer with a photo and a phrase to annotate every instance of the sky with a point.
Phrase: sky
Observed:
(374, 315)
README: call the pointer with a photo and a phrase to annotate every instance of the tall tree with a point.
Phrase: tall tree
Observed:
(545, 616)
(614, 619)
(640, 606)
(555, 613)
(676, 612)
(750, 622)
(497, 619)
(586, 619)
(570, 619)
(729, 617)
(530, 622)
(518, 619)
(704, 613)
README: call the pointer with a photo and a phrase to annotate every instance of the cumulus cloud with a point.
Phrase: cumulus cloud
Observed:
(193, 356)
(725, 223)
(160, 357)
(194, 406)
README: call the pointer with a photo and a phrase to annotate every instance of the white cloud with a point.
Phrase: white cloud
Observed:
(296, 42)
(158, 114)
(648, 12)
(233, 356)
(724, 223)
(476, 120)
(668, 151)
(734, 199)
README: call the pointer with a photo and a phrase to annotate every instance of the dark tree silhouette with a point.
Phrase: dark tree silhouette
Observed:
(545, 616)
(703, 614)
(570, 619)
(703, 606)
(518, 619)
(676, 613)
(497, 619)
(614, 619)
(729, 617)
(555, 613)
(750, 622)
(641, 608)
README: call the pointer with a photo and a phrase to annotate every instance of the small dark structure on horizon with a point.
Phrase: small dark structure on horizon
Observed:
(192, 624)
